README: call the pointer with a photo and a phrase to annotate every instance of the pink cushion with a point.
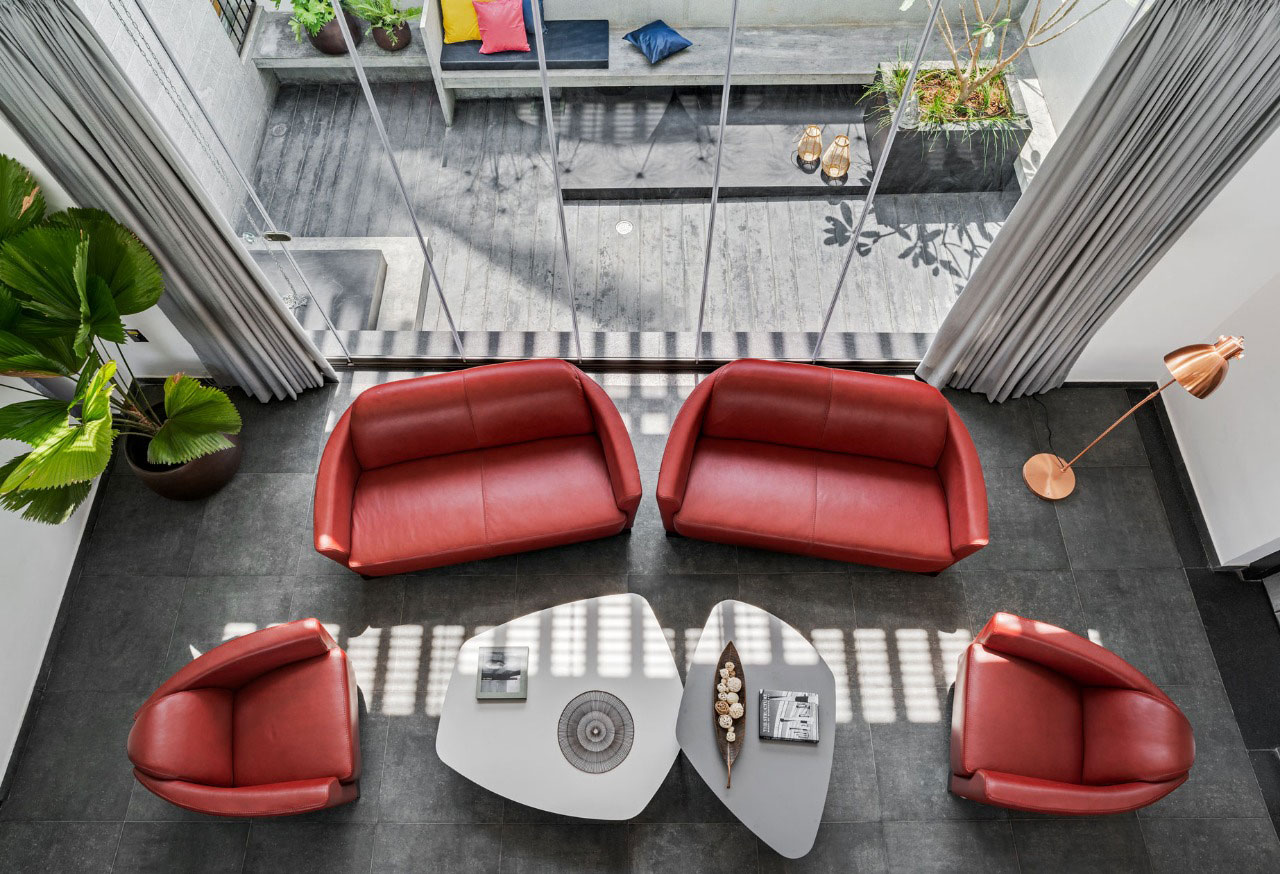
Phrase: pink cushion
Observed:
(501, 26)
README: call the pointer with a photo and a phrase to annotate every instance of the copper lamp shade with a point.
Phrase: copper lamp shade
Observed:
(1199, 368)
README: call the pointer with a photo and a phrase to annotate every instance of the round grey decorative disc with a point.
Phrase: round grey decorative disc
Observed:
(596, 732)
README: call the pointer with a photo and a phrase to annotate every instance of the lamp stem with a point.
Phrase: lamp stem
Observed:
(1132, 410)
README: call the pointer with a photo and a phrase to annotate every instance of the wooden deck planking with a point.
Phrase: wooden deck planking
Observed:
(483, 193)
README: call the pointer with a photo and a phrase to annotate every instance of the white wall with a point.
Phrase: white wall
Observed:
(1229, 439)
(1221, 276)
(1067, 64)
(37, 562)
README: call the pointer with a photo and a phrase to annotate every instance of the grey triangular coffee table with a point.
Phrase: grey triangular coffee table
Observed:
(611, 644)
(779, 787)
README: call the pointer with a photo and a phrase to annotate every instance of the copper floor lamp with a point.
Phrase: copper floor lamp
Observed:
(1199, 368)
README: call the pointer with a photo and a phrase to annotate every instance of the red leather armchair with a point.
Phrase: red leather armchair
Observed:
(264, 725)
(1049, 722)
(843, 465)
(473, 464)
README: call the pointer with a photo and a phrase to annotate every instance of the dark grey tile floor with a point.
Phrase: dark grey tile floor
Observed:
(162, 582)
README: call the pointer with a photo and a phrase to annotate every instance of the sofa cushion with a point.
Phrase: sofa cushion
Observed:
(486, 502)
(839, 506)
(481, 407)
(458, 18)
(296, 723)
(1019, 718)
(501, 26)
(1132, 736)
(185, 736)
(824, 408)
(657, 40)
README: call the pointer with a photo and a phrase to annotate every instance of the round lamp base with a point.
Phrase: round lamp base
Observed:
(1048, 476)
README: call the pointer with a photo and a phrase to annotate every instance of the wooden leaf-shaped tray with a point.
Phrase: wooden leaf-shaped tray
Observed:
(729, 751)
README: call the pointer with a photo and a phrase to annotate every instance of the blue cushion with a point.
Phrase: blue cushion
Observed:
(657, 40)
(527, 8)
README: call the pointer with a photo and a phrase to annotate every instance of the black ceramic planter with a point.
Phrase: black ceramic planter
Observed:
(949, 157)
(329, 40)
(383, 37)
(184, 482)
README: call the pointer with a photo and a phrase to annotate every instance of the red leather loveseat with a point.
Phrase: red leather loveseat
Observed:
(1049, 722)
(833, 463)
(264, 725)
(468, 465)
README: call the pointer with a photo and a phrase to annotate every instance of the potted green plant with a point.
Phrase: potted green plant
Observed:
(315, 20)
(388, 23)
(972, 122)
(65, 282)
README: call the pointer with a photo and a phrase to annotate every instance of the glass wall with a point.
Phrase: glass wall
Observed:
(415, 185)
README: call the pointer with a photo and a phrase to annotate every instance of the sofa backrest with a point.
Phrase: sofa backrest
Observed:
(477, 408)
(822, 408)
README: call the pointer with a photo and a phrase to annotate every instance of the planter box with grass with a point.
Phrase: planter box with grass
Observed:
(947, 156)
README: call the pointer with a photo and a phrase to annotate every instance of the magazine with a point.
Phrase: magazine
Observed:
(789, 715)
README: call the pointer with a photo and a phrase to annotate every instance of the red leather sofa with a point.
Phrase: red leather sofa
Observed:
(851, 466)
(264, 725)
(468, 465)
(1049, 722)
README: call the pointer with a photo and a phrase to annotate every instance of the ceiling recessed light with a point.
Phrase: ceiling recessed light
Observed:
(624, 227)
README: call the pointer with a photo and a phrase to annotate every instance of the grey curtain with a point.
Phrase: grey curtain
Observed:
(1182, 102)
(68, 98)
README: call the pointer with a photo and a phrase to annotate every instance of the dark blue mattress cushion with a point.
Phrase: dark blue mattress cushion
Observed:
(571, 45)
(657, 40)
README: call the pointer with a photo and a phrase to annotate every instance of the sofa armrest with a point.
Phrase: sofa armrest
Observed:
(678, 454)
(242, 659)
(961, 473)
(1050, 796)
(335, 493)
(1064, 652)
(272, 799)
(619, 454)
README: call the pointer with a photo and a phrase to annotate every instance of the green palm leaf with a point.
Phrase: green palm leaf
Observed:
(119, 257)
(40, 264)
(71, 453)
(32, 422)
(19, 357)
(21, 203)
(50, 506)
(197, 417)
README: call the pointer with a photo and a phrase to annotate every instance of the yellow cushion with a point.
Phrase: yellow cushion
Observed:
(460, 22)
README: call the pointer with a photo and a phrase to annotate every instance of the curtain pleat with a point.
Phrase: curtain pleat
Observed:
(67, 97)
(1185, 99)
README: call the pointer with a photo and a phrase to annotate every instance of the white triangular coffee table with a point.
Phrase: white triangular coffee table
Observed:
(612, 644)
(779, 787)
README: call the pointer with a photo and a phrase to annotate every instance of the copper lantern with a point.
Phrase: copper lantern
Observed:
(835, 160)
(810, 148)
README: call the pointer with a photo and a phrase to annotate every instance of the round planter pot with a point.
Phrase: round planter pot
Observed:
(403, 35)
(184, 482)
(329, 40)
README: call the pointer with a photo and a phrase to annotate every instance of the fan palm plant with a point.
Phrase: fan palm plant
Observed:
(66, 281)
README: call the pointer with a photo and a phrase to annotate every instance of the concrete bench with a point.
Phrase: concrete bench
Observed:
(772, 55)
(832, 54)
